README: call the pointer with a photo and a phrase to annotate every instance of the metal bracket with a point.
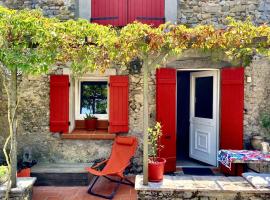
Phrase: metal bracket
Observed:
(102, 18)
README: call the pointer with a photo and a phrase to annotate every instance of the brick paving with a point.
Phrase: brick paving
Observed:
(80, 193)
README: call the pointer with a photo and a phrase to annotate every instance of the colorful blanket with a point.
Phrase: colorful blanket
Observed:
(227, 157)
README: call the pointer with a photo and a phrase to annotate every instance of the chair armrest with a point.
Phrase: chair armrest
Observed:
(98, 164)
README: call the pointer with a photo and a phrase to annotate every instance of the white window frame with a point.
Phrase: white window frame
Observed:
(78, 115)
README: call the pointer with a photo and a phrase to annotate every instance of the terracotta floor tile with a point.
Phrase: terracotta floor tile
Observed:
(80, 193)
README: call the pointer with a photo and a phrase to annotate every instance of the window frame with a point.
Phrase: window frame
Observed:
(78, 115)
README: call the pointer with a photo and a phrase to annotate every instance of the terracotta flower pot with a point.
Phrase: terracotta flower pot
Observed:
(24, 173)
(256, 142)
(91, 124)
(156, 169)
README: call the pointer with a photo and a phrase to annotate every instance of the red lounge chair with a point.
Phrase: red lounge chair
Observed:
(123, 150)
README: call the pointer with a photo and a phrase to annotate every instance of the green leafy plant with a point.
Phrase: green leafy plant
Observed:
(3, 174)
(154, 135)
(89, 116)
(265, 122)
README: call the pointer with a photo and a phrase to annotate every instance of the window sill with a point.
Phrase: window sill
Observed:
(88, 135)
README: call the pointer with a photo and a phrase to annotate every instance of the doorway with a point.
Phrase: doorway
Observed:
(197, 118)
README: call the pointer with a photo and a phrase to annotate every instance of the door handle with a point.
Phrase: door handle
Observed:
(167, 137)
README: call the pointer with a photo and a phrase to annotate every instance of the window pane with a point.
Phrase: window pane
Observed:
(204, 97)
(93, 97)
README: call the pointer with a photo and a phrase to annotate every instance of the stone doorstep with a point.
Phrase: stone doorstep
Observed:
(219, 184)
(24, 185)
(60, 168)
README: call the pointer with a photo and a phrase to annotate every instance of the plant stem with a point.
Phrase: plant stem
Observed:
(145, 123)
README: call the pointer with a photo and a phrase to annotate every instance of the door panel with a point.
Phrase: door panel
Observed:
(203, 116)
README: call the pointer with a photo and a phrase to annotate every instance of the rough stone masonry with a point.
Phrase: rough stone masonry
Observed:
(34, 105)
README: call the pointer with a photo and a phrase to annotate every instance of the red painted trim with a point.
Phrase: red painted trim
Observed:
(59, 103)
(118, 106)
(166, 114)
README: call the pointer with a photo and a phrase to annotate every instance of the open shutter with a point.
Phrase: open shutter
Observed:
(109, 12)
(118, 115)
(166, 114)
(147, 11)
(232, 106)
(59, 103)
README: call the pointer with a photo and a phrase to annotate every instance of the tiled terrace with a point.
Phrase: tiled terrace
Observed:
(80, 193)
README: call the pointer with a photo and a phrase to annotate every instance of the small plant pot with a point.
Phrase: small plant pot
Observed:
(90, 124)
(24, 173)
(256, 142)
(156, 169)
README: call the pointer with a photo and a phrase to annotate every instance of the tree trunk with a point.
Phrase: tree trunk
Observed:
(13, 127)
(145, 124)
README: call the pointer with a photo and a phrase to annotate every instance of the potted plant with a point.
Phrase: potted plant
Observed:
(90, 122)
(25, 163)
(3, 174)
(155, 163)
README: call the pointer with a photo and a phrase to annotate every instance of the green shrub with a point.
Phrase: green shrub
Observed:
(3, 174)
(265, 122)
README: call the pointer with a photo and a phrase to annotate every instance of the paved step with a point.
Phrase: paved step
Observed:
(200, 187)
(61, 174)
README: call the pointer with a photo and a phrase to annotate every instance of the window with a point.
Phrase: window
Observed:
(91, 97)
(204, 97)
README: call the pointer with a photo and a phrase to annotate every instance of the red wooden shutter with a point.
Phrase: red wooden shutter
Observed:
(59, 103)
(232, 106)
(147, 11)
(118, 115)
(166, 114)
(109, 12)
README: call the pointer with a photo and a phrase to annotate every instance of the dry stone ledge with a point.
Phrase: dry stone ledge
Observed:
(23, 191)
(200, 188)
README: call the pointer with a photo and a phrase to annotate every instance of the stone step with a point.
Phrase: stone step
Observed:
(61, 174)
(200, 187)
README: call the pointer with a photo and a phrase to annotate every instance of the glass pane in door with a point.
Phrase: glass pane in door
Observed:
(204, 97)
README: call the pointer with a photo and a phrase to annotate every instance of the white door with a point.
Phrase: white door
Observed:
(203, 132)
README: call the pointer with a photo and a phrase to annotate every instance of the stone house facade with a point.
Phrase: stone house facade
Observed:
(34, 109)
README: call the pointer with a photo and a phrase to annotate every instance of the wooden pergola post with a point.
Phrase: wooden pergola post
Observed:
(145, 124)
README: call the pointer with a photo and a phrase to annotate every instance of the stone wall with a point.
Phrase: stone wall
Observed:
(23, 191)
(33, 123)
(63, 9)
(257, 97)
(192, 12)
(34, 112)
(199, 195)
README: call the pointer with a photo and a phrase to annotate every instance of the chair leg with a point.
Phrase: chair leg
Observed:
(111, 196)
(124, 181)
